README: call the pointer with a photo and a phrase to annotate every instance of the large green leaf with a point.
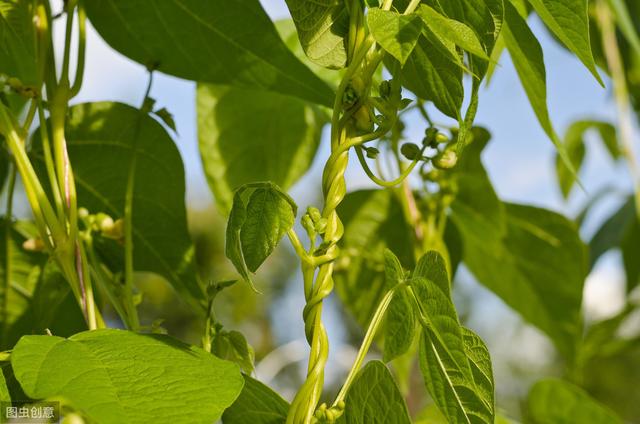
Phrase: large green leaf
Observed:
(373, 220)
(397, 34)
(575, 146)
(452, 30)
(560, 402)
(569, 21)
(257, 404)
(374, 398)
(322, 28)
(115, 376)
(432, 72)
(104, 141)
(538, 268)
(17, 40)
(528, 60)
(229, 42)
(246, 136)
(261, 215)
(455, 363)
(400, 320)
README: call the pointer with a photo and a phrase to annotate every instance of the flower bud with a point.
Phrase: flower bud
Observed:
(33, 245)
(314, 213)
(385, 89)
(446, 159)
(410, 151)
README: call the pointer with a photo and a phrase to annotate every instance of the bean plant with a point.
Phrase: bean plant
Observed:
(106, 186)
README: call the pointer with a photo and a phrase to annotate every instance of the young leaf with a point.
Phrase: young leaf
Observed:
(574, 143)
(452, 30)
(261, 215)
(432, 73)
(257, 404)
(231, 43)
(374, 398)
(449, 366)
(557, 401)
(322, 29)
(115, 376)
(569, 21)
(400, 321)
(233, 346)
(247, 136)
(538, 268)
(104, 139)
(485, 17)
(373, 221)
(396, 33)
(528, 60)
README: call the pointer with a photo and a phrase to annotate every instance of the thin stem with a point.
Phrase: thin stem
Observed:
(48, 160)
(128, 219)
(621, 92)
(70, 6)
(8, 263)
(380, 182)
(82, 46)
(369, 336)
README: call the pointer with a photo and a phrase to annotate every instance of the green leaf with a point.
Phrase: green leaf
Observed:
(233, 346)
(400, 321)
(322, 28)
(4, 390)
(612, 231)
(569, 21)
(485, 17)
(261, 215)
(374, 398)
(257, 404)
(452, 30)
(17, 40)
(528, 60)
(232, 43)
(246, 136)
(630, 254)
(115, 376)
(537, 267)
(476, 211)
(397, 34)
(104, 139)
(575, 147)
(455, 364)
(560, 402)
(373, 221)
(433, 73)
(621, 230)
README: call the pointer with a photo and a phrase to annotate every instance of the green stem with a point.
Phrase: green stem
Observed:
(82, 46)
(8, 264)
(388, 184)
(621, 92)
(369, 336)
